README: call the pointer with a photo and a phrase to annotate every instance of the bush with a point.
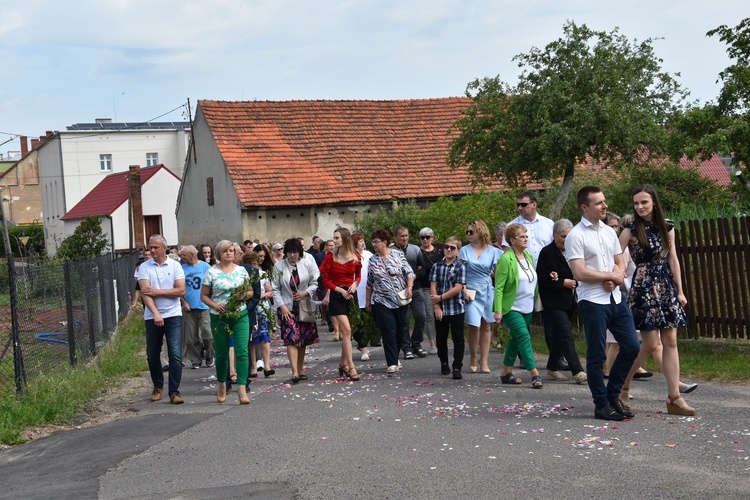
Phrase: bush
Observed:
(86, 242)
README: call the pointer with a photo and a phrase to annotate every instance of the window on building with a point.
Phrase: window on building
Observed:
(105, 163)
(210, 190)
(152, 159)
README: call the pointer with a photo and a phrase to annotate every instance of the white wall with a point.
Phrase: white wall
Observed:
(81, 150)
(53, 195)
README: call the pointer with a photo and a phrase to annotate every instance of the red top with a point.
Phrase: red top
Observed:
(336, 274)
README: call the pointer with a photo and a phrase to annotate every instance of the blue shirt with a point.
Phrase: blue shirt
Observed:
(193, 280)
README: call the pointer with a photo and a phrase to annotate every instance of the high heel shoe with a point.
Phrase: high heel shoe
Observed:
(343, 371)
(353, 375)
(625, 398)
(242, 395)
(679, 409)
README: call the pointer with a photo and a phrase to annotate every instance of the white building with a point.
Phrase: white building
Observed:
(109, 200)
(74, 161)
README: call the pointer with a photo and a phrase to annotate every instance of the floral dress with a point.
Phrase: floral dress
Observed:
(295, 332)
(653, 296)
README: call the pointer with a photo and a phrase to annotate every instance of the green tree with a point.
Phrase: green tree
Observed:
(722, 126)
(590, 94)
(86, 242)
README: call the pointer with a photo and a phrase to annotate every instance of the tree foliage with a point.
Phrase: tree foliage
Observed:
(590, 94)
(722, 126)
(86, 242)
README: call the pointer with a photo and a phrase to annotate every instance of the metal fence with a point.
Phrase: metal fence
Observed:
(53, 313)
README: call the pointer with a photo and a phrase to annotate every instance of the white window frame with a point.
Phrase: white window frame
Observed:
(105, 163)
(152, 159)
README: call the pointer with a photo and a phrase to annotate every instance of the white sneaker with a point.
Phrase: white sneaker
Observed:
(365, 355)
(391, 369)
(259, 364)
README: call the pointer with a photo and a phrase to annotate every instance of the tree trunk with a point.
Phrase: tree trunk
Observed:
(564, 193)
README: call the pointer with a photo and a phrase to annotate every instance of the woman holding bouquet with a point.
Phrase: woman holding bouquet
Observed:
(225, 289)
(294, 280)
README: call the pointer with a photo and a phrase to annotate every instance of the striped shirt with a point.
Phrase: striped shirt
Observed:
(447, 276)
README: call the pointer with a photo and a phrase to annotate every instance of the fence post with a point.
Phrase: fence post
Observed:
(69, 313)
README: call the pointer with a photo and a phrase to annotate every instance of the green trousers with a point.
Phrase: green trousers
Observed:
(239, 329)
(520, 339)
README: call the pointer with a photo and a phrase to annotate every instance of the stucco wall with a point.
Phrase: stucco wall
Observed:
(197, 222)
(22, 191)
(280, 224)
(53, 196)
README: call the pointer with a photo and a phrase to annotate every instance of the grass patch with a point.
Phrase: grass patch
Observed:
(61, 394)
(721, 360)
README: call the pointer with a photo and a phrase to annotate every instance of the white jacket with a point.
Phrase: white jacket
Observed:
(308, 280)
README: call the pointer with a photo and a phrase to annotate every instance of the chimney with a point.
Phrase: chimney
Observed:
(34, 143)
(136, 206)
(48, 133)
(24, 146)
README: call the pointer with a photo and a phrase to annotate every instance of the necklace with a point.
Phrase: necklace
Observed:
(526, 270)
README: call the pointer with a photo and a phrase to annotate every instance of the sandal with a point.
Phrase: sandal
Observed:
(536, 382)
(679, 409)
(509, 378)
(302, 376)
(626, 403)
(580, 378)
(556, 375)
(296, 378)
(353, 375)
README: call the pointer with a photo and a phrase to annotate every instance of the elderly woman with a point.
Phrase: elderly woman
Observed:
(557, 290)
(295, 279)
(515, 293)
(479, 259)
(218, 285)
(388, 274)
(499, 235)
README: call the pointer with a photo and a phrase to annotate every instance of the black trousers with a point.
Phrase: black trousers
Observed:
(455, 324)
(559, 336)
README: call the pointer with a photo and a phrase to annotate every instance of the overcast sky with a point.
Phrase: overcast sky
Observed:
(135, 60)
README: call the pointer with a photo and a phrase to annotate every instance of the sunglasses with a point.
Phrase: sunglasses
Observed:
(522, 204)
(450, 247)
(469, 232)
(426, 237)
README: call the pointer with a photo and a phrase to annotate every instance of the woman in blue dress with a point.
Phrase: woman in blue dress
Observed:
(655, 298)
(480, 259)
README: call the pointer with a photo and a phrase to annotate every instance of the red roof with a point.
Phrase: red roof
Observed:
(109, 194)
(319, 152)
(713, 169)
(291, 153)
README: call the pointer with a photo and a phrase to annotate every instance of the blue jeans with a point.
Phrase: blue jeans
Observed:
(172, 330)
(390, 322)
(597, 318)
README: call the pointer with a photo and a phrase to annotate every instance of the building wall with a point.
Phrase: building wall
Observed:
(21, 191)
(81, 150)
(52, 193)
(305, 222)
(105, 222)
(197, 222)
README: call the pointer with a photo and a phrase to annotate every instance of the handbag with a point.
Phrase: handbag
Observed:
(307, 310)
(403, 300)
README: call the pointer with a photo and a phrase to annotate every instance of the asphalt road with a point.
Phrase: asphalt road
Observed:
(413, 435)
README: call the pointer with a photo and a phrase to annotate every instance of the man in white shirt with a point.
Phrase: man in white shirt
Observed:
(595, 257)
(162, 283)
(538, 227)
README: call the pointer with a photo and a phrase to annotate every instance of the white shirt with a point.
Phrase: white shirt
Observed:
(597, 245)
(539, 232)
(163, 277)
(526, 289)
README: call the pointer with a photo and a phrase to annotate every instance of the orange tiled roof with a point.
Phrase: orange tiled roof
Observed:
(319, 152)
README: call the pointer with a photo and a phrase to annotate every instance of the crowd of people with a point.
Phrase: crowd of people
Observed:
(222, 304)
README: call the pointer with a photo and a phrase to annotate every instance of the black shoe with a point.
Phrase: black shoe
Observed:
(563, 365)
(330, 327)
(420, 352)
(608, 413)
(408, 355)
(457, 374)
(643, 374)
(620, 408)
(268, 373)
(444, 369)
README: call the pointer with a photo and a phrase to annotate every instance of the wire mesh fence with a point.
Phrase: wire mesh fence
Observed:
(53, 312)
